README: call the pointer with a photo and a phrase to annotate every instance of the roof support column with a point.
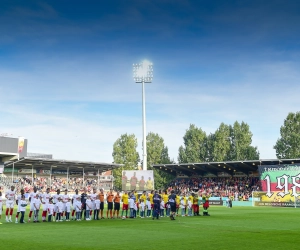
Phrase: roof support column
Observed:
(82, 177)
(98, 180)
(32, 173)
(68, 178)
(12, 174)
(50, 177)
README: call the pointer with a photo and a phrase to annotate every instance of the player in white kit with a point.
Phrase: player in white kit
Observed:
(65, 199)
(50, 210)
(68, 209)
(74, 200)
(32, 197)
(10, 196)
(37, 205)
(45, 202)
(60, 207)
(19, 198)
(56, 198)
(93, 197)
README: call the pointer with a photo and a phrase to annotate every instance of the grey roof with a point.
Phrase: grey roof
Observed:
(229, 167)
(61, 165)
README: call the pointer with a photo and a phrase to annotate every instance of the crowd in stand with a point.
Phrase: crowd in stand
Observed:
(41, 183)
(238, 187)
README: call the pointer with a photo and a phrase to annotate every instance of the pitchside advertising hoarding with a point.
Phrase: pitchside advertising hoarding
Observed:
(280, 186)
(139, 180)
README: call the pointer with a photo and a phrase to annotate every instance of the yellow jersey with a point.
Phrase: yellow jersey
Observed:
(143, 197)
(125, 199)
(151, 198)
(185, 201)
(177, 200)
(165, 198)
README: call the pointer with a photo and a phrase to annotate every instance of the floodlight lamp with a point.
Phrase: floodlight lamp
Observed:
(143, 72)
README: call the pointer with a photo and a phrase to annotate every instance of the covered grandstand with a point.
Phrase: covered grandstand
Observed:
(219, 169)
(16, 165)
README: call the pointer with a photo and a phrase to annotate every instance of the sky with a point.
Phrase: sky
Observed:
(66, 80)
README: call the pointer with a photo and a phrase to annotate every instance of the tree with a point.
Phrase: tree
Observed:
(288, 146)
(194, 149)
(241, 139)
(157, 153)
(228, 143)
(221, 143)
(124, 152)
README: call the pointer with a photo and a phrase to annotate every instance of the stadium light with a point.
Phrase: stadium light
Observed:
(143, 73)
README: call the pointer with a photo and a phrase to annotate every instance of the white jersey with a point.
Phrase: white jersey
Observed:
(32, 196)
(77, 205)
(19, 198)
(189, 204)
(50, 209)
(89, 204)
(65, 198)
(55, 198)
(45, 198)
(68, 206)
(162, 205)
(142, 206)
(182, 204)
(23, 205)
(97, 204)
(131, 203)
(75, 196)
(93, 197)
(10, 195)
(37, 203)
(60, 206)
(148, 205)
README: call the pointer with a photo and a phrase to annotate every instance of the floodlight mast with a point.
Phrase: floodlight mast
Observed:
(143, 73)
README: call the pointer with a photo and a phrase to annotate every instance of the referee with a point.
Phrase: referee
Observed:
(172, 202)
(156, 208)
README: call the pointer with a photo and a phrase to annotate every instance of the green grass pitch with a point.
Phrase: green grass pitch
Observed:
(236, 228)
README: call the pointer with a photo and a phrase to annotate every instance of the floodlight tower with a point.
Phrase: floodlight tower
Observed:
(143, 73)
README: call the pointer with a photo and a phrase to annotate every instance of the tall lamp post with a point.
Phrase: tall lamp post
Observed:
(143, 73)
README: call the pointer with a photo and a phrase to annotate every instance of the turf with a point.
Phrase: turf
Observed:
(236, 228)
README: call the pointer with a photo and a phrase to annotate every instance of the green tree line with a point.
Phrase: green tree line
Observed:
(227, 143)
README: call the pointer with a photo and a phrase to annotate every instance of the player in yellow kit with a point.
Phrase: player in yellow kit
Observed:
(165, 198)
(177, 204)
(125, 203)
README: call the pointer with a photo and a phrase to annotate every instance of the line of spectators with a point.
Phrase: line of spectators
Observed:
(27, 183)
(237, 187)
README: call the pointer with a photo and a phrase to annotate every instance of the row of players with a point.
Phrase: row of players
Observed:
(61, 205)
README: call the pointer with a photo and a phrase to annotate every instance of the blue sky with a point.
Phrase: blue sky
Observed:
(66, 71)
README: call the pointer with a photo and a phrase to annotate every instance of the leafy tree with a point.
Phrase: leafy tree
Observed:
(194, 149)
(124, 152)
(288, 146)
(221, 143)
(228, 143)
(241, 139)
(157, 153)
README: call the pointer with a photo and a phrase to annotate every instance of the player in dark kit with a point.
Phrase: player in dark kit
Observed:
(83, 202)
(156, 203)
(172, 203)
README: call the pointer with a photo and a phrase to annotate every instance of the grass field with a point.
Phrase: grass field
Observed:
(236, 228)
